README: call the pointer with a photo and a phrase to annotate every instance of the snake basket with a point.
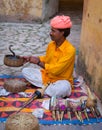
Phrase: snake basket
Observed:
(22, 121)
(14, 85)
(13, 61)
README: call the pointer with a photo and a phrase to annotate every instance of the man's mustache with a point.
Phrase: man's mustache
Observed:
(51, 36)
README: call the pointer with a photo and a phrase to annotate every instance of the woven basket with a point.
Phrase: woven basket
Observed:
(14, 85)
(13, 61)
(22, 121)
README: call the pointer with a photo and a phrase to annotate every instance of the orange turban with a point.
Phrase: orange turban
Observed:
(61, 22)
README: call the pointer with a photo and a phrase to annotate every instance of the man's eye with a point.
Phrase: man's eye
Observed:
(53, 30)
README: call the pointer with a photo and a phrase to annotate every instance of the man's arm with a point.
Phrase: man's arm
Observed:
(36, 60)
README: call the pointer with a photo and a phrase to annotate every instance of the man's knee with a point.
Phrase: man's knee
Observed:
(60, 88)
(64, 88)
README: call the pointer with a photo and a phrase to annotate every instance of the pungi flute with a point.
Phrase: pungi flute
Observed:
(53, 106)
(83, 108)
(62, 107)
(57, 110)
(37, 94)
(76, 114)
(85, 112)
(79, 112)
(68, 109)
(93, 112)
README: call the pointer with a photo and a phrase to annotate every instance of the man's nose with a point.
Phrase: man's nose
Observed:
(50, 32)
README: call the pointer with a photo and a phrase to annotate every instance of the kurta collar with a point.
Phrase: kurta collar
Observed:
(62, 46)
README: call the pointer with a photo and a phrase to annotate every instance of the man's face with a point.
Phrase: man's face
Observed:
(56, 35)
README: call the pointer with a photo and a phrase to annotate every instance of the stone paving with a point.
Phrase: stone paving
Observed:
(31, 39)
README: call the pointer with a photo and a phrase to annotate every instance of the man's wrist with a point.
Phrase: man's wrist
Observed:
(38, 62)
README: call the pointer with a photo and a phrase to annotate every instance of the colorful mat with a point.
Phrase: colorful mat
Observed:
(13, 102)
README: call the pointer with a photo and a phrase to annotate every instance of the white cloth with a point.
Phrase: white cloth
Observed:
(60, 88)
(33, 76)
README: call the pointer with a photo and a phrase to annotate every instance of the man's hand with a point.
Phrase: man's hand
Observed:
(34, 59)
(26, 59)
(31, 59)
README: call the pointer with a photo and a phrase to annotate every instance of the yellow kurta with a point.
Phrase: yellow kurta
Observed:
(59, 62)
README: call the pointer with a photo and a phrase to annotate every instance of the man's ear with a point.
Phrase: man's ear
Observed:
(63, 33)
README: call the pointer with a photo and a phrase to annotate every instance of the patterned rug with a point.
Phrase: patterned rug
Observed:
(13, 102)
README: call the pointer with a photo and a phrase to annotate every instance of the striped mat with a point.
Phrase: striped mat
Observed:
(13, 102)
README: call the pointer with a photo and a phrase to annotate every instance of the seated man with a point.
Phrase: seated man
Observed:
(58, 62)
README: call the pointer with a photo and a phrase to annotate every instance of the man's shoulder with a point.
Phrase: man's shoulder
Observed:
(69, 45)
(51, 43)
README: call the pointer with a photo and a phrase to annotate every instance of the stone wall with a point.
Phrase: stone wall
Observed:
(90, 56)
(50, 8)
(27, 10)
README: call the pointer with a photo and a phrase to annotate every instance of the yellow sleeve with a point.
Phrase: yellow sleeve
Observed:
(43, 58)
(61, 65)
